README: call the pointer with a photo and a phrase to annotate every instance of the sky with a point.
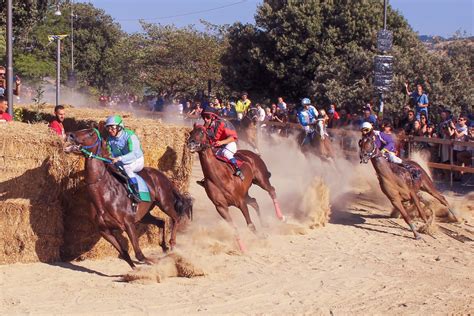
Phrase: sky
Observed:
(427, 17)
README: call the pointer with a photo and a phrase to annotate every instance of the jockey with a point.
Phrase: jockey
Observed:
(126, 152)
(307, 115)
(223, 136)
(384, 141)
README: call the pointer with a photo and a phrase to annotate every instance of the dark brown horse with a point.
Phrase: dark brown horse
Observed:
(112, 208)
(223, 188)
(400, 182)
(247, 128)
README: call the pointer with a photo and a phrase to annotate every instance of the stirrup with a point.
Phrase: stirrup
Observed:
(239, 174)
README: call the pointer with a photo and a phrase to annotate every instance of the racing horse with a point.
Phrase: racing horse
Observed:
(401, 183)
(247, 128)
(320, 143)
(223, 188)
(112, 209)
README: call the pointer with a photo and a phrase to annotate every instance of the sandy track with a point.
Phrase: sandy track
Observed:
(362, 262)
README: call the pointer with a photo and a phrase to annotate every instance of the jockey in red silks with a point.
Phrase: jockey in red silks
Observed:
(223, 136)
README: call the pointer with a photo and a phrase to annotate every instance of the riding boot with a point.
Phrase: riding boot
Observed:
(134, 191)
(201, 182)
(237, 172)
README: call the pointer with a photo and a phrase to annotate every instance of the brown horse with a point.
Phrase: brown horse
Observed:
(400, 182)
(112, 208)
(247, 128)
(320, 144)
(223, 188)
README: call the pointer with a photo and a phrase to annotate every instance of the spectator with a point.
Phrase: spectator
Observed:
(56, 125)
(261, 113)
(419, 99)
(459, 133)
(268, 114)
(4, 116)
(3, 83)
(229, 110)
(404, 118)
(423, 122)
(369, 117)
(356, 121)
(333, 116)
(465, 157)
(242, 105)
(197, 110)
(282, 105)
(408, 126)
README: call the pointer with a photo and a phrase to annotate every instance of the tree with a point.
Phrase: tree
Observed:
(180, 61)
(325, 50)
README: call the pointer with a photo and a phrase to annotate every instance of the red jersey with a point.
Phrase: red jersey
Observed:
(5, 117)
(57, 127)
(220, 130)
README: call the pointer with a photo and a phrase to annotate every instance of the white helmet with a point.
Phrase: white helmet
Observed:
(366, 126)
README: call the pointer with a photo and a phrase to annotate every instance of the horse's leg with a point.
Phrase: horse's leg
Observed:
(107, 234)
(167, 207)
(224, 212)
(245, 211)
(416, 201)
(253, 203)
(132, 235)
(150, 219)
(428, 186)
(397, 203)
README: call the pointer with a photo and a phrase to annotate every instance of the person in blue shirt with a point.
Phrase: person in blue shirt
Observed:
(419, 99)
(126, 152)
(307, 116)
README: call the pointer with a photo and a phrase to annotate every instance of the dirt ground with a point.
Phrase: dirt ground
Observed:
(361, 262)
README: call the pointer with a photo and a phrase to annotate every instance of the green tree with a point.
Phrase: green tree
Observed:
(325, 50)
(180, 61)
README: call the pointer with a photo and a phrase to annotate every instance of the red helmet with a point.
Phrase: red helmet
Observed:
(208, 111)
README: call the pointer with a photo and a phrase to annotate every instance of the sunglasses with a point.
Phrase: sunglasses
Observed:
(112, 127)
(365, 130)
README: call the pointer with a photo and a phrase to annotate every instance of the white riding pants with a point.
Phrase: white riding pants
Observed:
(133, 167)
(228, 150)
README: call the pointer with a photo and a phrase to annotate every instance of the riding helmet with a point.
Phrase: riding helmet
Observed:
(209, 111)
(306, 101)
(366, 126)
(114, 120)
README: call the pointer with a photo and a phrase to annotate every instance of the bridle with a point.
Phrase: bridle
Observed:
(373, 153)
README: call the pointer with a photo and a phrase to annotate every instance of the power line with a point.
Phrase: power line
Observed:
(186, 14)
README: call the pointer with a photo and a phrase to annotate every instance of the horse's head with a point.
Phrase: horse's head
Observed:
(82, 139)
(367, 146)
(198, 139)
(252, 114)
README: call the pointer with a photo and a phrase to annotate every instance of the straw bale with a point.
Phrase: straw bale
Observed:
(34, 168)
(30, 233)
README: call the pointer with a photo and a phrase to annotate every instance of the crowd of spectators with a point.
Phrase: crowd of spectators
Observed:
(412, 120)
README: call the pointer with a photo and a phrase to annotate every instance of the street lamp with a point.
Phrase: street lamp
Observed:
(10, 57)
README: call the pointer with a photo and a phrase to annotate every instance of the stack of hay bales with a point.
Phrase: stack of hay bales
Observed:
(55, 189)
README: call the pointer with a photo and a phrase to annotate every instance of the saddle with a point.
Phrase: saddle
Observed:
(224, 159)
(413, 171)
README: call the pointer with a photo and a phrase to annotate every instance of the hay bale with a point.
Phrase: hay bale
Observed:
(30, 234)
(33, 167)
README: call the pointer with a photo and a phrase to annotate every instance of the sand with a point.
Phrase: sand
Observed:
(361, 262)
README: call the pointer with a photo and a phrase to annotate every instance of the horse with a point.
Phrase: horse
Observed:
(398, 183)
(320, 143)
(112, 209)
(223, 188)
(247, 128)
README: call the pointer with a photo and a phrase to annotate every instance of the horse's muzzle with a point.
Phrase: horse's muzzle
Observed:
(72, 149)
(193, 146)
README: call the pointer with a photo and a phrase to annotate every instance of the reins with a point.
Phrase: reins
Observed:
(89, 154)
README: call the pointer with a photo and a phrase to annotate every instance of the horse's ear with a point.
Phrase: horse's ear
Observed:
(101, 128)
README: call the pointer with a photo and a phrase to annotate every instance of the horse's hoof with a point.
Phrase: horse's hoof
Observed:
(283, 219)
(418, 237)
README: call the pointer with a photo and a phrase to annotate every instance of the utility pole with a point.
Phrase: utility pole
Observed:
(57, 38)
(10, 57)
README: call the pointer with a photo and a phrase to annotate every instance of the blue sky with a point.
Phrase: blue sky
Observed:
(427, 17)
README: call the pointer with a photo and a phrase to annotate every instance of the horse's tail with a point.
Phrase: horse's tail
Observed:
(183, 204)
